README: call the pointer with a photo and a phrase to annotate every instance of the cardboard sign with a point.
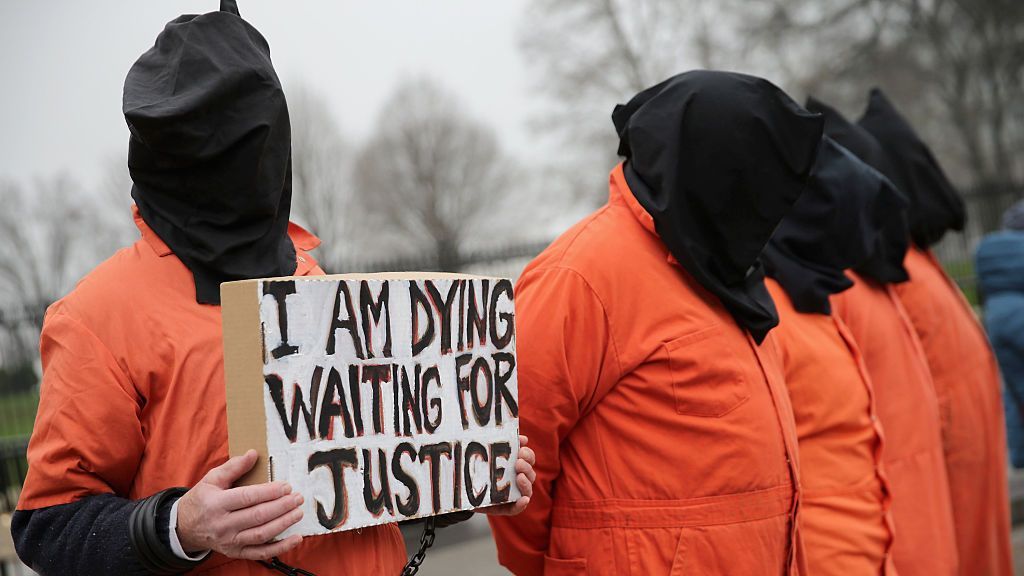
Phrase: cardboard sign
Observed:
(379, 397)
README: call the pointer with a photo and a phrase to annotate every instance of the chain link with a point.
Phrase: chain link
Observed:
(279, 566)
(426, 541)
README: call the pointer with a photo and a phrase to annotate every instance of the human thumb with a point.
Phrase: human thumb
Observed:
(225, 475)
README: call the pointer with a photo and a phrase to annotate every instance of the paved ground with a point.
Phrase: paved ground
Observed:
(1018, 551)
(465, 549)
(474, 556)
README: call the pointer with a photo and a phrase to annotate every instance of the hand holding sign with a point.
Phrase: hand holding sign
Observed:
(242, 522)
(238, 522)
(525, 477)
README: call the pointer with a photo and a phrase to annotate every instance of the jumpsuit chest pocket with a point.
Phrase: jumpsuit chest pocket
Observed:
(707, 378)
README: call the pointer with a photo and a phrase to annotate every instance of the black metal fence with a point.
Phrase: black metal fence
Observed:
(985, 207)
(12, 470)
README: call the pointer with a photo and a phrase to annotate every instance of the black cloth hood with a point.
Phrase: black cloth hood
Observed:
(935, 205)
(885, 264)
(717, 159)
(210, 149)
(835, 225)
(854, 138)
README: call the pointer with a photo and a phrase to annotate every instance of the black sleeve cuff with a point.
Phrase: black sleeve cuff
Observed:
(149, 532)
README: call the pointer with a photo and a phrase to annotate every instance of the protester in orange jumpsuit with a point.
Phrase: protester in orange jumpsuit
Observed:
(844, 515)
(647, 385)
(963, 367)
(132, 401)
(924, 543)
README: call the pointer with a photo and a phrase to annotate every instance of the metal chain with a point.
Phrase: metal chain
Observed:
(426, 541)
(279, 566)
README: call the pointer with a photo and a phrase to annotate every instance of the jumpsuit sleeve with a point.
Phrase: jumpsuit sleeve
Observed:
(75, 509)
(88, 536)
(567, 360)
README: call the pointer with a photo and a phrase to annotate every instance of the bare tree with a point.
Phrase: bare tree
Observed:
(974, 52)
(430, 174)
(956, 66)
(589, 55)
(321, 164)
(46, 245)
(113, 208)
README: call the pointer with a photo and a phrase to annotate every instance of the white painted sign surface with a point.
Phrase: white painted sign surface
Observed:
(389, 399)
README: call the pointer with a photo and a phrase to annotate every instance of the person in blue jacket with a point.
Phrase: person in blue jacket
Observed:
(1000, 268)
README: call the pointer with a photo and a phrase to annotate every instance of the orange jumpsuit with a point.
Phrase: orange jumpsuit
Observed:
(664, 436)
(924, 542)
(966, 380)
(132, 400)
(844, 513)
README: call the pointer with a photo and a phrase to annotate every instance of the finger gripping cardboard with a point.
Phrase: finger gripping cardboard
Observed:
(378, 397)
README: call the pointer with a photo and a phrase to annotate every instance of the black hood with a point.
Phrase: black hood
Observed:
(854, 138)
(835, 225)
(717, 159)
(885, 264)
(935, 205)
(210, 149)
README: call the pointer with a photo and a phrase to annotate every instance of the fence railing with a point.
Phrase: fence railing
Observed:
(985, 207)
(13, 468)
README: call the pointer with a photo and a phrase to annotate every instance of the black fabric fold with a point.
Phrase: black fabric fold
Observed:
(885, 263)
(210, 149)
(854, 138)
(935, 205)
(717, 159)
(835, 225)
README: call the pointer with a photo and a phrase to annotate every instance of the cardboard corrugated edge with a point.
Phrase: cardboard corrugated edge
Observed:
(243, 375)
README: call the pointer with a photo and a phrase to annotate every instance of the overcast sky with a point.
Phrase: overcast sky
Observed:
(63, 64)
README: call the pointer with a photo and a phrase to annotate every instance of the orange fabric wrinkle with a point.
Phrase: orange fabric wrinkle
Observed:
(133, 400)
(844, 516)
(664, 437)
(967, 385)
(924, 542)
